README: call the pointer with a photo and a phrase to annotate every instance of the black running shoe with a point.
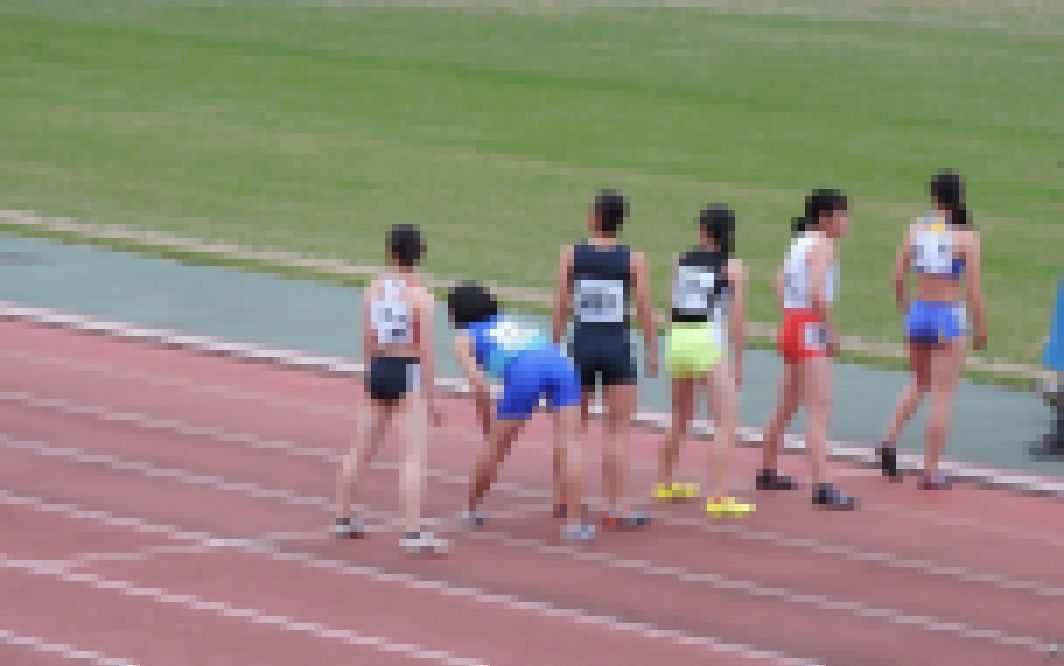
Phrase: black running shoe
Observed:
(770, 479)
(888, 461)
(829, 496)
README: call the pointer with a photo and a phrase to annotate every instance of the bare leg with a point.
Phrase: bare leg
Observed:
(913, 392)
(620, 399)
(819, 400)
(374, 426)
(567, 445)
(416, 445)
(721, 396)
(488, 464)
(945, 373)
(792, 386)
(683, 393)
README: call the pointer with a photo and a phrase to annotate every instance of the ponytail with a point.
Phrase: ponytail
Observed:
(947, 189)
(719, 222)
(819, 202)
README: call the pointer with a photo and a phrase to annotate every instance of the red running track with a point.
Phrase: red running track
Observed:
(164, 507)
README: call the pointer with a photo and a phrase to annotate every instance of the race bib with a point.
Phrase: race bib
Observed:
(692, 289)
(816, 336)
(794, 288)
(392, 321)
(599, 301)
(933, 251)
(510, 336)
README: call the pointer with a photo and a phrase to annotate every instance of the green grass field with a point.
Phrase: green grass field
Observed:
(315, 126)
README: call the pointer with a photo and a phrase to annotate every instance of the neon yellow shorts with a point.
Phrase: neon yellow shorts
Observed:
(694, 348)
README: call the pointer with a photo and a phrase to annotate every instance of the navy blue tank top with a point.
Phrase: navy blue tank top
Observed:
(602, 279)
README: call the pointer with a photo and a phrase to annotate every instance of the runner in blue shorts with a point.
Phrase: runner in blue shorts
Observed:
(492, 347)
(941, 249)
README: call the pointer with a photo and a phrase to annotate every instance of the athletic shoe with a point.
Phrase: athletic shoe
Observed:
(829, 496)
(629, 520)
(561, 511)
(938, 481)
(676, 492)
(1047, 448)
(728, 507)
(418, 543)
(473, 518)
(583, 532)
(888, 461)
(348, 528)
(770, 479)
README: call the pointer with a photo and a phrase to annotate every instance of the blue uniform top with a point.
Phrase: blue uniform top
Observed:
(499, 340)
(1054, 351)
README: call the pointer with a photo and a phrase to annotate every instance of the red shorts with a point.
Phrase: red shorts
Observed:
(803, 334)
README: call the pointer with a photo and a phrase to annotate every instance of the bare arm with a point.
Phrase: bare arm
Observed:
(901, 269)
(974, 292)
(369, 336)
(781, 281)
(645, 313)
(427, 349)
(819, 260)
(463, 353)
(563, 294)
(736, 314)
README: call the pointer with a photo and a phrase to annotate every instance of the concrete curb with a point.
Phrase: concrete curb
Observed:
(848, 452)
(287, 259)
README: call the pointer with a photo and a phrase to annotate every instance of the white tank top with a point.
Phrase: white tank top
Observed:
(796, 280)
(390, 314)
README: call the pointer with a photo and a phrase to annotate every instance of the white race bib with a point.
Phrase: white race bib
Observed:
(692, 288)
(933, 251)
(391, 319)
(511, 336)
(599, 301)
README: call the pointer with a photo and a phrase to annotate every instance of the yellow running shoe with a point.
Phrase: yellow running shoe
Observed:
(676, 492)
(728, 507)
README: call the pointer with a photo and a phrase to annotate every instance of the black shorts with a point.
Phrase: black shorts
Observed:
(603, 355)
(391, 377)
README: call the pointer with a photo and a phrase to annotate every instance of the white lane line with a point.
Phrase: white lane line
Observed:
(69, 652)
(712, 580)
(252, 615)
(509, 602)
(738, 531)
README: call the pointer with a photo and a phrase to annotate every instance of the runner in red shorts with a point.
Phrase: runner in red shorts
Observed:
(806, 287)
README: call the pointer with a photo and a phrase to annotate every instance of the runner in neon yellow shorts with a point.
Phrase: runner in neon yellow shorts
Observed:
(708, 286)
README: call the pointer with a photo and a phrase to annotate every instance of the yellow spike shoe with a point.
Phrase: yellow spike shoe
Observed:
(676, 492)
(728, 507)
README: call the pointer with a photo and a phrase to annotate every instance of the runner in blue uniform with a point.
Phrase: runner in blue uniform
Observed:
(939, 248)
(492, 347)
(597, 281)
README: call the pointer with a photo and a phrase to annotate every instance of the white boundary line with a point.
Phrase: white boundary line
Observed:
(331, 457)
(254, 616)
(843, 452)
(712, 580)
(69, 652)
(510, 602)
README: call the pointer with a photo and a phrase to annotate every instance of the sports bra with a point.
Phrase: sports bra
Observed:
(499, 339)
(390, 314)
(796, 292)
(932, 250)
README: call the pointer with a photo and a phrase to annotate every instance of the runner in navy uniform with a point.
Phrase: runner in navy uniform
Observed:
(597, 281)
(398, 350)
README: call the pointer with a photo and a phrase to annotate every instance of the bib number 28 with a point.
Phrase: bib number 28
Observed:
(600, 301)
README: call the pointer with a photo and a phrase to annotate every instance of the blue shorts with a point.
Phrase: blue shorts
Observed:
(935, 322)
(535, 374)
(603, 354)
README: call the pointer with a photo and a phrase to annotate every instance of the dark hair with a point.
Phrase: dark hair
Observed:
(719, 222)
(610, 208)
(469, 302)
(948, 189)
(817, 203)
(405, 244)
